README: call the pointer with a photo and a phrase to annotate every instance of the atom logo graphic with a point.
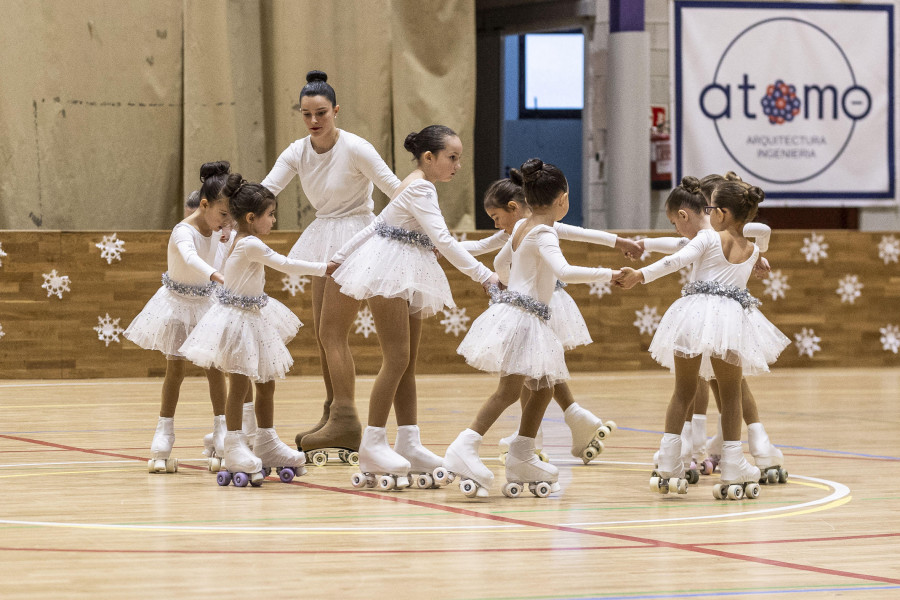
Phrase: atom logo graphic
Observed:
(780, 103)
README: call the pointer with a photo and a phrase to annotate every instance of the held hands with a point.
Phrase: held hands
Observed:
(629, 278)
(331, 268)
(632, 249)
(493, 280)
(218, 278)
(761, 268)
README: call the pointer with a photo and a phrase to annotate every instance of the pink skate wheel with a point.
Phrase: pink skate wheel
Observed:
(241, 479)
(286, 475)
(223, 478)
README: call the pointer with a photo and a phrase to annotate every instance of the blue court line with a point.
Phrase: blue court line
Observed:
(721, 593)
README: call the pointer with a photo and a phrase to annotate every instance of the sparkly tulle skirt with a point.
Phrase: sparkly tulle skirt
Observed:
(392, 269)
(507, 340)
(324, 237)
(567, 321)
(167, 320)
(246, 341)
(717, 327)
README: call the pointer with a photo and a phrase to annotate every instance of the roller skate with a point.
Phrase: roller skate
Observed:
(276, 454)
(462, 461)
(691, 471)
(539, 445)
(240, 464)
(699, 455)
(739, 477)
(714, 447)
(588, 432)
(326, 411)
(767, 457)
(379, 465)
(341, 433)
(524, 468)
(422, 461)
(214, 444)
(161, 448)
(248, 424)
(669, 473)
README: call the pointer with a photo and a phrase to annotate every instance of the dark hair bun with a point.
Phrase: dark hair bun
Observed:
(316, 76)
(232, 185)
(219, 167)
(531, 169)
(755, 194)
(690, 184)
(410, 142)
(515, 176)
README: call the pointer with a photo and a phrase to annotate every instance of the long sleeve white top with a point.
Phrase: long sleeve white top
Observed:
(244, 267)
(416, 208)
(566, 232)
(704, 252)
(667, 245)
(191, 256)
(338, 183)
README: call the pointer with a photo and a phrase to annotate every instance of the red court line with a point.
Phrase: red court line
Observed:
(840, 538)
(532, 524)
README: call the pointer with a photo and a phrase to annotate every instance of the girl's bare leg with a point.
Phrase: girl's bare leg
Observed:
(405, 400)
(392, 323)
(217, 390)
(508, 390)
(171, 387)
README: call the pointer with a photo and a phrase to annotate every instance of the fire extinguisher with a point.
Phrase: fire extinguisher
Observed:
(660, 158)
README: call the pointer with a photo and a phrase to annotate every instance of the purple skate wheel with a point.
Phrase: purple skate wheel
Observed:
(286, 474)
(223, 478)
(241, 479)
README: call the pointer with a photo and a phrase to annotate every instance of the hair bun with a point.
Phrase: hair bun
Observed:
(219, 167)
(234, 183)
(410, 142)
(732, 176)
(515, 176)
(755, 194)
(316, 76)
(690, 184)
(531, 169)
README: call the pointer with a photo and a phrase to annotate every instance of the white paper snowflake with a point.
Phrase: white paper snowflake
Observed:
(55, 284)
(647, 319)
(2, 333)
(888, 249)
(294, 283)
(111, 248)
(459, 237)
(646, 253)
(776, 284)
(601, 288)
(684, 276)
(108, 329)
(455, 321)
(2, 254)
(814, 248)
(365, 322)
(849, 289)
(807, 342)
(890, 338)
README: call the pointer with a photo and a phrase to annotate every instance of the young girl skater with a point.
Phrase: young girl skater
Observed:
(505, 203)
(513, 338)
(713, 330)
(177, 307)
(391, 264)
(336, 170)
(244, 334)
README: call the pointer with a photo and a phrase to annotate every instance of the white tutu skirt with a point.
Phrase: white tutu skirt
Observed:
(324, 237)
(249, 342)
(392, 269)
(507, 340)
(567, 322)
(167, 320)
(716, 327)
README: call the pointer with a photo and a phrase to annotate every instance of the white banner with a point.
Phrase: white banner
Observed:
(796, 98)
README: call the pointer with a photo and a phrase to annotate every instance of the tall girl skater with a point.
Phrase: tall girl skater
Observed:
(336, 170)
(391, 264)
(513, 337)
(244, 334)
(714, 330)
(177, 307)
(505, 203)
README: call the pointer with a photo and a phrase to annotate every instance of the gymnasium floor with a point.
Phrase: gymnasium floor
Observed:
(81, 518)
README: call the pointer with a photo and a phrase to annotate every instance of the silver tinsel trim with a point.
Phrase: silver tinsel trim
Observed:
(522, 301)
(245, 302)
(185, 289)
(406, 236)
(715, 288)
(560, 285)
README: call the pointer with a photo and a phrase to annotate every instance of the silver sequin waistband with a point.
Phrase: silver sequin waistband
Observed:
(245, 302)
(560, 284)
(714, 288)
(521, 301)
(185, 289)
(406, 236)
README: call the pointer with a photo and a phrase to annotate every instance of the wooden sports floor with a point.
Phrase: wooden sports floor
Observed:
(80, 517)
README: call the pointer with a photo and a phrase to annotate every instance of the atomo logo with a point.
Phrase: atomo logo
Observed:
(784, 100)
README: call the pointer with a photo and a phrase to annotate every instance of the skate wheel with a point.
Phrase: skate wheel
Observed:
(241, 480)
(718, 492)
(782, 476)
(442, 476)
(603, 432)
(358, 480)
(256, 479)
(542, 456)
(735, 492)
(223, 478)
(611, 425)
(693, 476)
(655, 484)
(353, 458)
(512, 490)
(541, 490)
(150, 467)
(681, 486)
(266, 471)
(286, 475)
(215, 464)
(706, 467)
(751, 491)
(468, 487)
(319, 458)
(172, 465)
(589, 454)
(386, 483)
(424, 481)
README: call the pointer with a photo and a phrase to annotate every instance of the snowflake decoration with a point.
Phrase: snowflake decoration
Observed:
(646, 253)
(647, 319)
(814, 248)
(111, 248)
(108, 329)
(890, 338)
(459, 237)
(849, 289)
(776, 284)
(455, 321)
(684, 276)
(2, 254)
(601, 288)
(888, 249)
(807, 342)
(55, 284)
(294, 283)
(2, 333)
(365, 322)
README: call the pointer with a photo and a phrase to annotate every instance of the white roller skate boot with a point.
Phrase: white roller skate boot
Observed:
(714, 447)
(462, 460)
(698, 441)
(739, 477)
(277, 455)
(538, 445)
(248, 424)
(524, 468)
(239, 464)
(161, 448)
(691, 472)
(214, 444)
(588, 432)
(669, 474)
(422, 461)
(379, 464)
(767, 457)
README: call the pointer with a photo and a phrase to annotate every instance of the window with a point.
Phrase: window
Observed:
(551, 75)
